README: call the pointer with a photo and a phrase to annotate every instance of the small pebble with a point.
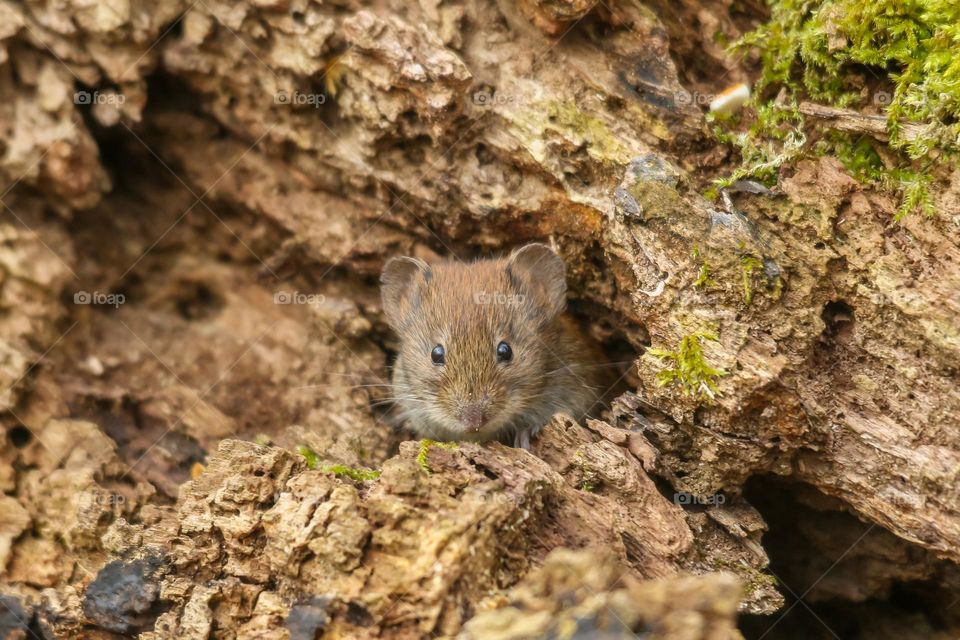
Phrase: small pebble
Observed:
(94, 365)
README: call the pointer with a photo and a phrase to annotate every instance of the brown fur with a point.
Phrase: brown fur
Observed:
(469, 309)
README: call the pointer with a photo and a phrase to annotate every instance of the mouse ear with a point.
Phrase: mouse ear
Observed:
(399, 284)
(540, 272)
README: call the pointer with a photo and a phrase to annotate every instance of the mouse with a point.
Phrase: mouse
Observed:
(486, 349)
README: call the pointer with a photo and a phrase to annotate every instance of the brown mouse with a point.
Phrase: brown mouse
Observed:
(486, 351)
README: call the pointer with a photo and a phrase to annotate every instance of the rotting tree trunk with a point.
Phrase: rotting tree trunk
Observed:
(254, 149)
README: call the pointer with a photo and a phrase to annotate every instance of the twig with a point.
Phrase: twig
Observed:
(847, 120)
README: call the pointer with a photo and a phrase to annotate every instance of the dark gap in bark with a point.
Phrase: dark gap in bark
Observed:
(854, 579)
(839, 319)
(19, 436)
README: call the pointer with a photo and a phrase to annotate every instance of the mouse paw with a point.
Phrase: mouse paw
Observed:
(522, 440)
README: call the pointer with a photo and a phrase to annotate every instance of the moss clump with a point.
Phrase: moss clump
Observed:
(827, 51)
(774, 138)
(425, 446)
(354, 473)
(690, 368)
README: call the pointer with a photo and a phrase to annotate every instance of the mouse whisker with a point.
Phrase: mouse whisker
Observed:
(334, 384)
(346, 375)
(398, 400)
(602, 365)
(571, 367)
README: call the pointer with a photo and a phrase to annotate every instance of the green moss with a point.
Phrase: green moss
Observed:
(774, 138)
(777, 288)
(703, 277)
(354, 473)
(915, 189)
(689, 367)
(864, 163)
(309, 455)
(748, 264)
(830, 52)
(425, 446)
(858, 156)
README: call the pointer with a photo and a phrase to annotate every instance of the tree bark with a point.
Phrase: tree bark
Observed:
(177, 173)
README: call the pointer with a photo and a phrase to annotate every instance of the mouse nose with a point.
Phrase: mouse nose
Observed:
(474, 417)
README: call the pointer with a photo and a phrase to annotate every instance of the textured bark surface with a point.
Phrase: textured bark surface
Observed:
(197, 202)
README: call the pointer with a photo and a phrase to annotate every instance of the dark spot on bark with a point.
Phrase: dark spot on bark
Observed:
(484, 155)
(19, 436)
(358, 615)
(771, 270)
(198, 301)
(123, 596)
(176, 30)
(14, 620)
(308, 619)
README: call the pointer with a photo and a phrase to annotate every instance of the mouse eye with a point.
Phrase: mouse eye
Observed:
(504, 352)
(438, 355)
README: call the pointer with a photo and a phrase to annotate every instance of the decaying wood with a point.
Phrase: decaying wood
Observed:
(266, 148)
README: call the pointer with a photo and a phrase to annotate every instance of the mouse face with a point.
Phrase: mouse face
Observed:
(472, 358)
